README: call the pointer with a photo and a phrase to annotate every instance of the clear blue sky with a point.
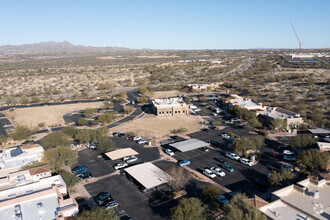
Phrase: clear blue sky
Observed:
(167, 24)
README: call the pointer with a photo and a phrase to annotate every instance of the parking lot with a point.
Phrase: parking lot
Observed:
(136, 203)
(243, 178)
(100, 166)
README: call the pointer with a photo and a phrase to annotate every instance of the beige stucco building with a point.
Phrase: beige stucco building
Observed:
(169, 107)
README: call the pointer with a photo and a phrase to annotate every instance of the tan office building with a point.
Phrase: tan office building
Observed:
(171, 106)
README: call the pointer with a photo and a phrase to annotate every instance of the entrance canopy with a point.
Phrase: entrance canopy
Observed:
(188, 145)
(148, 175)
(121, 153)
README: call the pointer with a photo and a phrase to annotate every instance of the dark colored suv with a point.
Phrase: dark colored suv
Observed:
(84, 175)
(102, 197)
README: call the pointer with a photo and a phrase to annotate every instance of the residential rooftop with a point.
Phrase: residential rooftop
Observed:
(308, 199)
(275, 112)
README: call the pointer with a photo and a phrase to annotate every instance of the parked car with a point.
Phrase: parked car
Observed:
(79, 169)
(102, 197)
(183, 163)
(227, 137)
(91, 145)
(288, 167)
(205, 149)
(84, 175)
(130, 159)
(221, 160)
(213, 128)
(233, 156)
(289, 158)
(174, 137)
(142, 141)
(275, 154)
(209, 173)
(246, 162)
(120, 165)
(211, 107)
(136, 138)
(205, 129)
(216, 143)
(111, 204)
(228, 168)
(197, 109)
(261, 182)
(214, 114)
(217, 171)
(221, 199)
(287, 152)
(224, 135)
(118, 134)
(169, 152)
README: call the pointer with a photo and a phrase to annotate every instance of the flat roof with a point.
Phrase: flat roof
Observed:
(121, 153)
(188, 145)
(319, 131)
(39, 208)
(148, 175)
(324, 146)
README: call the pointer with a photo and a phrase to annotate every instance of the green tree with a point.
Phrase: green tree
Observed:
(70, 131)
(142, 99)
(246, 115)
(89, 112)
(244, 144)
(280, 177)
(210, 192)
(238, 209)
(121, 96)
(107, 105)
(303, 141)
(56, 139)
(128, 109)
(189, 209)
(106, 118)
(277, 124)
(82, 121)
(105, 145)
(3, 139)
(21, 132)
(24, 99)
(83, 136)
(58, 158)
(35, 99)
(312, 161)
(69, 179)
(143, 90)
(100, 213)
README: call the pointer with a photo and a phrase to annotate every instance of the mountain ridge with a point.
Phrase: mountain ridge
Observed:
(52, 47)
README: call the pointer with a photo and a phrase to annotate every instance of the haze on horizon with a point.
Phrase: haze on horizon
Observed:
(209, 24)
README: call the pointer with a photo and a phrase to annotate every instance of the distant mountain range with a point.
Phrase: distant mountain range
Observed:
(52, 47)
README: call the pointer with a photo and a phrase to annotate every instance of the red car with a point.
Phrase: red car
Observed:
(275, 154)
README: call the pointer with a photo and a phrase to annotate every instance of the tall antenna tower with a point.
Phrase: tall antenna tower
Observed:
(300, 42)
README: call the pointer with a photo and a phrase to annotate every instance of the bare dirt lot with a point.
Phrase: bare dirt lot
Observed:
(51, 115)
(153, 127)
(165, 94)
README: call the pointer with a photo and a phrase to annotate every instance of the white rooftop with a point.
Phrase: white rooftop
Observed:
(324, 146)
(148, 175)
(121, 153)
(171, 102)
(279, 113)
(319, 131)
(188, 145)
(44, 208)
(306, 198)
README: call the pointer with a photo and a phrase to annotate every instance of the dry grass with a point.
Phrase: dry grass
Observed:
(153, 127)
(165, 94)
(51, 115)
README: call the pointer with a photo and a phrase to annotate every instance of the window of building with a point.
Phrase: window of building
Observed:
(179, 112)
(176, 112)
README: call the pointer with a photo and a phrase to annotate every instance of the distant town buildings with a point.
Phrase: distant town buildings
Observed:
(34, 194)
(308, 199)
(197, 87)
(170, 106)
(12, 159)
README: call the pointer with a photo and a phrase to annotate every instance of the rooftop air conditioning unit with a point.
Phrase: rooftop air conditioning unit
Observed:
(315, 193)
